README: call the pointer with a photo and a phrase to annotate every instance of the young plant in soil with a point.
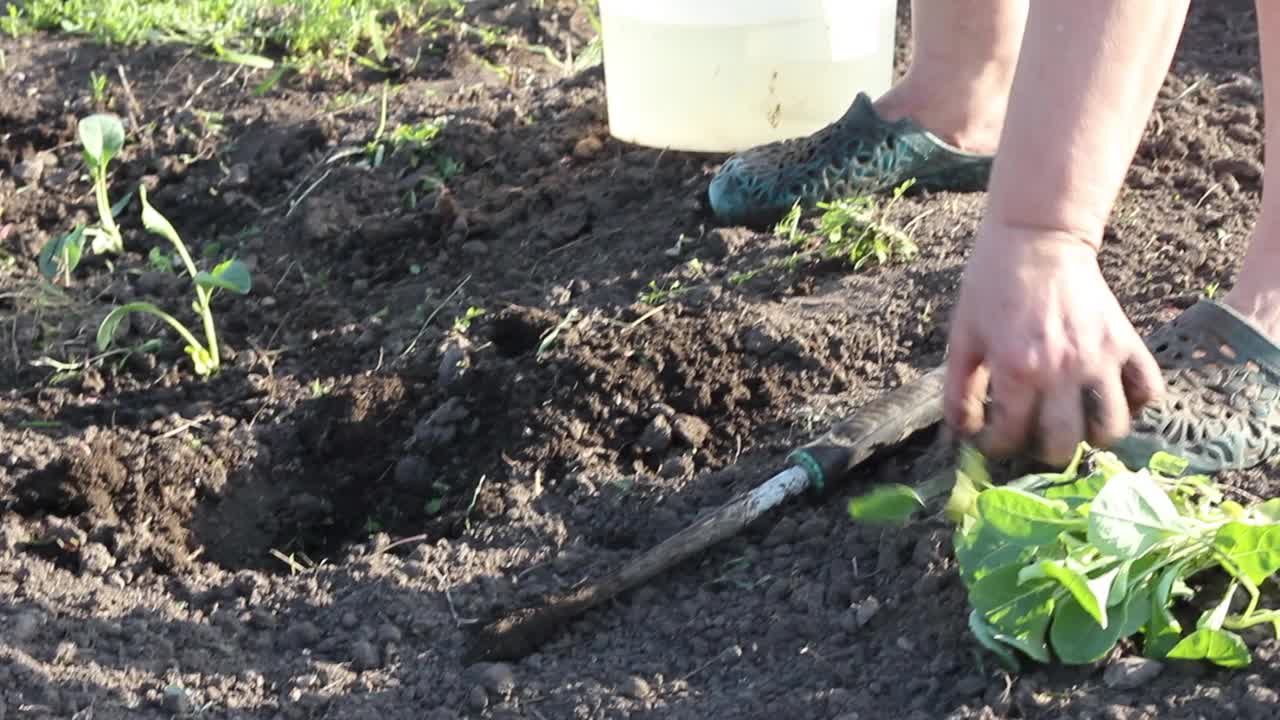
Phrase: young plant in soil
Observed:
(1069, 564)
(101, 138)
(853, 229)
(229, 275)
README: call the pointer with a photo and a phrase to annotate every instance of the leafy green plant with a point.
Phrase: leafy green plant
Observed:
(231, 275)
(855, 229)
(1068, 564)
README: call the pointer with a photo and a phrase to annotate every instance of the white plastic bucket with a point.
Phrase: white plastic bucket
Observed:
(726, 75)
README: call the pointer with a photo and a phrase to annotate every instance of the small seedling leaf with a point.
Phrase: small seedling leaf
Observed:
(154, 222)
(1130, 515)
(230, 275)
(66, 249)
(891, 504)
(1253, 549)
(102, 136)
(1024, 517)
(111, 323)
(1221, 647)
(201, 360)
(247, 59)
(122, 204)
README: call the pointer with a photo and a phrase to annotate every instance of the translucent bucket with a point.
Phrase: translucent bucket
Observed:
(725, 75)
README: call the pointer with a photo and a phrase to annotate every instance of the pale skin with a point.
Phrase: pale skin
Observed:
(1065, 102)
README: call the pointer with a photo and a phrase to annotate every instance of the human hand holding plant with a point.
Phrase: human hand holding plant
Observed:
(1037, 325)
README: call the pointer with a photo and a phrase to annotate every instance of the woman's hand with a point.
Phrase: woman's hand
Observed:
(1037, 327)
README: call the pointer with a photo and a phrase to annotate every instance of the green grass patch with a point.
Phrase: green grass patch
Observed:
(300, 32)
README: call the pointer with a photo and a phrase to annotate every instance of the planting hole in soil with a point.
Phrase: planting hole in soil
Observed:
(470, 351)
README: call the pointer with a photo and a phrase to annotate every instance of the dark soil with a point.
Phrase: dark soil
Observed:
(172, 545)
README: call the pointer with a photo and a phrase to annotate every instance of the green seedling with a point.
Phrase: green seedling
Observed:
(549, 338)
(160, 261)
(62, 255)
(855, 230)
(101, 138)
(463, 323)
(229, 275)
(1067, 565)
(788, 227)
(657, 295)
(98, 88)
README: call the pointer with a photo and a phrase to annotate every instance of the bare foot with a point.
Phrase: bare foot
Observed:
(968, 115)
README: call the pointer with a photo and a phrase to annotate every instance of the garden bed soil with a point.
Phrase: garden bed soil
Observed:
(170, 544)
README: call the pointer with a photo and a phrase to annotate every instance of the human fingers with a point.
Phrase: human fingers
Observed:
(1014, 399)
(1106, 409)
(1142, 379)
(1060, 423)
(965, 386)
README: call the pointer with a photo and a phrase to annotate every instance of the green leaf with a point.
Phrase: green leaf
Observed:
(121, 204)
(1026, 630)
(154, 222)
(1163, 630)
(1269, 510)
(1025, 517)
(1220, 647)
(983, 550)
(1170, 466)
(102, 136)
(66, 249)
(1120, 584)
(1130, 515)
(1253, 549)
(986, 637)
(230, 275)
(1085, 488)
(201, 360)
(1136, 610)
(1076, 637)
(1091, 594)
(111, 323)
(890, 504)
(1213, 618)
(964, 493)
(1017, 613)
(247, 59)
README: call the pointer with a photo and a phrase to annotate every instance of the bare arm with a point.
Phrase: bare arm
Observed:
(1087, 77)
